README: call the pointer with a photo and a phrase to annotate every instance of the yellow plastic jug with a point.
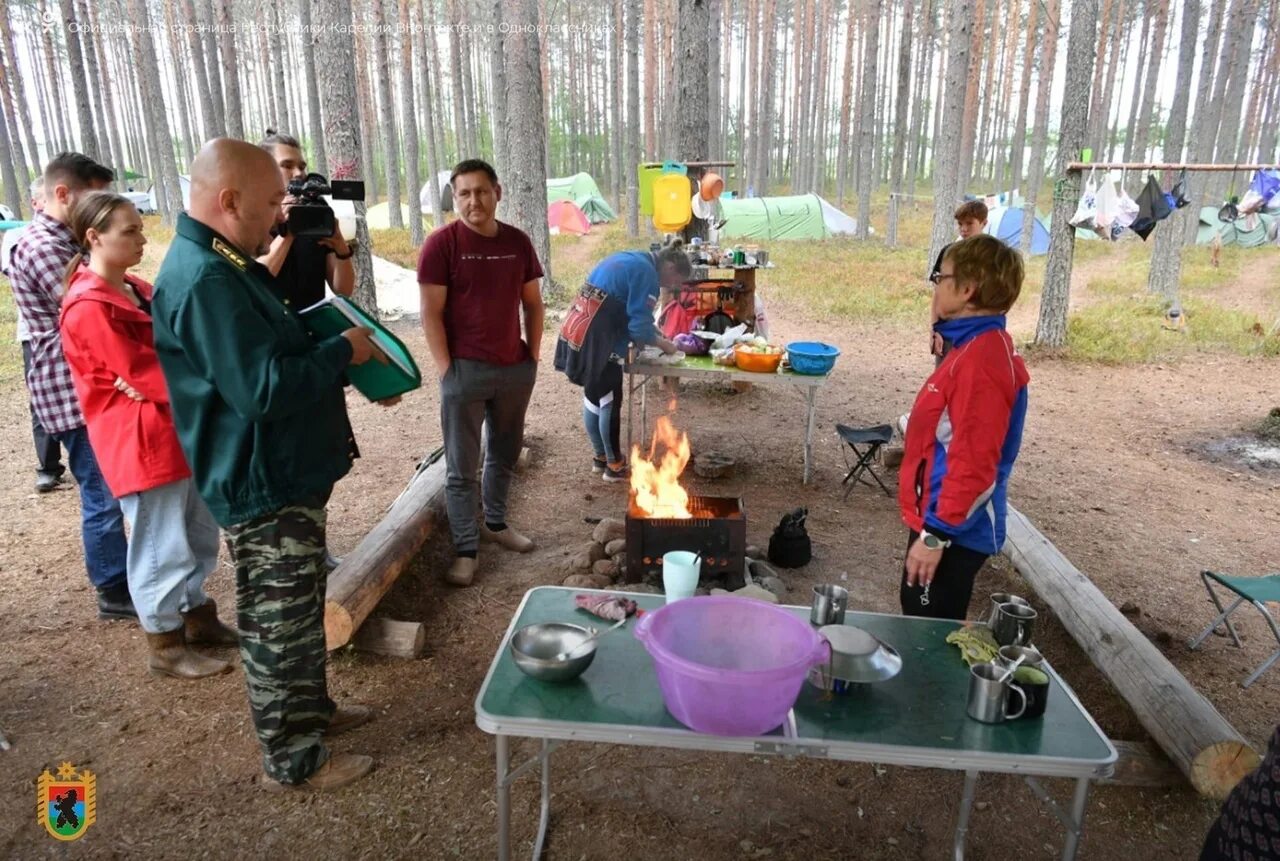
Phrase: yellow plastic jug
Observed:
(672, 202)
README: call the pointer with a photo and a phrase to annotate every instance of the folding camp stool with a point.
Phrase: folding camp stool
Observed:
(1257, 591)
(872, 438)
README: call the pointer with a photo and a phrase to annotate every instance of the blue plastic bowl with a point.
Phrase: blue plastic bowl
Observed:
(812, 357)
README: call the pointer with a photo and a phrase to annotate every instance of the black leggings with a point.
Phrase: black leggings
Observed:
(951, 588)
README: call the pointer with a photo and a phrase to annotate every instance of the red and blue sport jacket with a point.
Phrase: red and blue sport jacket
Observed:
(963, 436)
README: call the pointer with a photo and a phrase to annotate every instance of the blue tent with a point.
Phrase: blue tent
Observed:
(1006, 225)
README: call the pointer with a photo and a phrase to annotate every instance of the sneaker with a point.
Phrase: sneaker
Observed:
(507, 538)
(346, 718)
(614, 476)
(902, 423)
(461, 572)
(46, 482)
(339, 770)
(598, 464)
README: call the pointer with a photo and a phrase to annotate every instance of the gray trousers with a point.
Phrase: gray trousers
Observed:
(475, 394)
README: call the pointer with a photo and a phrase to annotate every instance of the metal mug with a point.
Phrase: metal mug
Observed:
(999, 598)
(1013, 624)
(989, 696)
(1030, 655)
(829, 604)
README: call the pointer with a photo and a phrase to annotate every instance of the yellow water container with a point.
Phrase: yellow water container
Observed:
(672, 205)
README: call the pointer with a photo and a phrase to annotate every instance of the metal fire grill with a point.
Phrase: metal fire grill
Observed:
(718, 528)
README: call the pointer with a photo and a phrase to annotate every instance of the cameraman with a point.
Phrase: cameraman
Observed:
(303, 265)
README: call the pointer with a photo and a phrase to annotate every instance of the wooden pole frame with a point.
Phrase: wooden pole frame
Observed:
(1146, 165)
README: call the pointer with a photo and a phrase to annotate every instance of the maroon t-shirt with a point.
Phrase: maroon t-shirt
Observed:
(484, 276)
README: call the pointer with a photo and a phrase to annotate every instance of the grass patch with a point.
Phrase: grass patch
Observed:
(1125, 331)
(1269, 428)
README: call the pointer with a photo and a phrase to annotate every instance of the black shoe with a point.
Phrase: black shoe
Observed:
(46, 481)
(114, 603)
(331, 561)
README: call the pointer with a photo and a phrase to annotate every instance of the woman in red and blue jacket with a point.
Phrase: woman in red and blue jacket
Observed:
(964, 431)
(108, 340)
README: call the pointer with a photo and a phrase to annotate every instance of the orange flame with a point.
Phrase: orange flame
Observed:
(655, 483)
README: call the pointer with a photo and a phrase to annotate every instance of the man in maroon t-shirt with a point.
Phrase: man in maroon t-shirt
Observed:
(475, 275)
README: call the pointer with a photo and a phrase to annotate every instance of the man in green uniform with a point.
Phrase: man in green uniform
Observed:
(262, 419)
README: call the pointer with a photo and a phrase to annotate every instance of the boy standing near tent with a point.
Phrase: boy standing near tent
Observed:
(971, 219)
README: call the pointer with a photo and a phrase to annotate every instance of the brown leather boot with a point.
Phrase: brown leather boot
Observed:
(348, 717)
(171, 657)
(339, 770)
(202, 625)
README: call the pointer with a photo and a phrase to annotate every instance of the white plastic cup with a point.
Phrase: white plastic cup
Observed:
(680, 569)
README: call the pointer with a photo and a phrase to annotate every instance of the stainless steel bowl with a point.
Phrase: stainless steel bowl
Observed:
(857, 657)
(534, 648)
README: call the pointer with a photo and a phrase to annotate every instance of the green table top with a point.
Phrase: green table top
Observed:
(916, 718)
(704, 364)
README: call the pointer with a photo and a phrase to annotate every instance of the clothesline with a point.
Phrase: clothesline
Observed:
(1136, 165)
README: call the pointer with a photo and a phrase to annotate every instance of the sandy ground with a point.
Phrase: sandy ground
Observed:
(1113, 470)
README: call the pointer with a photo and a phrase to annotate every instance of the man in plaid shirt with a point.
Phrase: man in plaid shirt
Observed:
(38, 268)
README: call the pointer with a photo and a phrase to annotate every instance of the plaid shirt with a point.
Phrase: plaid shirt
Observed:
(39, 260)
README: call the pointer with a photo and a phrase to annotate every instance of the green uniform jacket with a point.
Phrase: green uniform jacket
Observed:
(259, 406)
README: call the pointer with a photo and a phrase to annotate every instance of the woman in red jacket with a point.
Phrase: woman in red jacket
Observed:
(964, 432)
(107, 338)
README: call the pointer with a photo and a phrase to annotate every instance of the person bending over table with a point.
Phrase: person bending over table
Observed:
(965, 431)
(615, 306)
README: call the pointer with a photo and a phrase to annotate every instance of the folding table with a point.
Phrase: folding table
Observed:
(915, 719)
(703, 368)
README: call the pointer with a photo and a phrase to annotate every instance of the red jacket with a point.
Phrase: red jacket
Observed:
(106, 336)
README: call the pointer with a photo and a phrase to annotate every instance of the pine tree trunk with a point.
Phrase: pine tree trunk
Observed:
(180, 82)
(57, 109)
(168, 196)
(1040, 134)
(1142, 133)
(1018, 145)
(972, 96)
(715, 10)
(84, 111)
(430, 81)
(13, 190)
(284, 115)
(319, 155)
(11, 120)
(336, 73)
(766, 126)
(208, 20)
(1137, 90)
(1243, 21)
(633, 25)
(691, 108)
(1105, 136)
(901, 137)
(866, 177)
(16, 81)
(526, 183)
(846, 109)
(43, 99)
(947, 180)
(209, 125)
(230, 71)
(385, 100)
(1271, 96)
(1166, 255)
(1051, 330)
(920, 104)
(623, 168)
(370, 133)
(1001, 142)
(1209, 113)
(105, 155)
(1108, 35)
(411, 155)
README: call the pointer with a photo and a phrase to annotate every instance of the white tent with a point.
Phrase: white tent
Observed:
(184, 183)
(446, 193)
(837, 222)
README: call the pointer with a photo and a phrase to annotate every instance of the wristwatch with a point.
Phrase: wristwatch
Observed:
(933, 542)
(351, 250)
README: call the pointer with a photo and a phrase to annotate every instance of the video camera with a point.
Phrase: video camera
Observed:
(310, 215)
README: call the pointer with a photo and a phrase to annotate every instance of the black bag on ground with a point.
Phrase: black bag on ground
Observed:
(790, 547)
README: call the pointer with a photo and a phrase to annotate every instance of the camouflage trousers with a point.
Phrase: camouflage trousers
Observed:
(280, 585)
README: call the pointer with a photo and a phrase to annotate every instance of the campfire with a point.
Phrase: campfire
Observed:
(663, 516)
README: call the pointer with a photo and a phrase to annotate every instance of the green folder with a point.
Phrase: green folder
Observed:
(334, 315)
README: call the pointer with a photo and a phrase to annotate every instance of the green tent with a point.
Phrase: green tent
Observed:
(801, 216)
(582, 190)
(1247, 231)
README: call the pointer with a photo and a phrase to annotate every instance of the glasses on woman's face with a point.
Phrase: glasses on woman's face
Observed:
(938, 277)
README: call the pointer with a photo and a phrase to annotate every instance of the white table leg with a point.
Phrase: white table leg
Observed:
(966, 805)
(811, 399)
(502, 743)
(544, 817)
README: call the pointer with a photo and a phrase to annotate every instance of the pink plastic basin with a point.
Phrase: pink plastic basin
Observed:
(729, 666)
